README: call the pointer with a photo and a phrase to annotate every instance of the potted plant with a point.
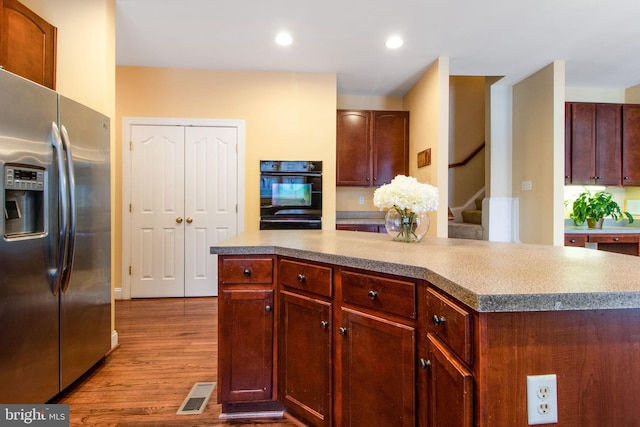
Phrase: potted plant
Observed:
(593, 208)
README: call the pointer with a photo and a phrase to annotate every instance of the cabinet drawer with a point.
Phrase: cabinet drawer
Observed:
(613, 238)
(452, 323)
(575, 240)
(308, 277)
(389, 295)
(247, 270)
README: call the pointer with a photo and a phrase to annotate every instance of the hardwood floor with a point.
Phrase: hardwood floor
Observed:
(165, 346)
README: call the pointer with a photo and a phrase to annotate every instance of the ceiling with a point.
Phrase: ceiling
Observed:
(598, 40)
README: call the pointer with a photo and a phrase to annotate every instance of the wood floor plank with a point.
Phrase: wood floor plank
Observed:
(165, 346)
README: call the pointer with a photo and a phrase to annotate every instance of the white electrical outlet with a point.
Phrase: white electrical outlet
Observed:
(542, 399)
(361, 200)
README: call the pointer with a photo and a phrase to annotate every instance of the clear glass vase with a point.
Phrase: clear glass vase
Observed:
(406, 226)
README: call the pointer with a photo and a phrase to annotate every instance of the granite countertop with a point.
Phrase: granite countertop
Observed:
(487, 276)
(360, 217)
(610, 226)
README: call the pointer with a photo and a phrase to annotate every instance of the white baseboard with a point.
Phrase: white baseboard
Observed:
(117, 293)
(114, 339)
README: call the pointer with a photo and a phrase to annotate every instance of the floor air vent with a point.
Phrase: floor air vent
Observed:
(197, 399)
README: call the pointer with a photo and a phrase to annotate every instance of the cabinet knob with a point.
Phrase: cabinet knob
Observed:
(324, 324)
(368, 179)
(424, 364)
(267, 308)
(373, 294)
(342, 331)
(626, 177)
(247, 272)
(438, 320)
(572, 240)
(615, 239)
(301, 278)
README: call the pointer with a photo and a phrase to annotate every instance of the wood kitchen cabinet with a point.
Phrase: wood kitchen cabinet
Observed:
(306, 368)
(450, 387)
(376, 350)
(305, 357)
(246, 332)
(446, 392)
(631, 145)
(27, 44)
(377, 364)
(621, 243)
(595, 132)
(372, 147)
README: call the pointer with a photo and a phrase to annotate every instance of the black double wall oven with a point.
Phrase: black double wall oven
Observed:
(290, 195)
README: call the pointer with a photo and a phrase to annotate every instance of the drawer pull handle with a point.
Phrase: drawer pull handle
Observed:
(267, 309)
(438, 320)
(424, 364)
(324, 324)
(373, 295)
(246, 272)
(301, 278)
(342, 331)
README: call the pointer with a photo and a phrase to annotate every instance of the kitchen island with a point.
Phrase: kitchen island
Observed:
(467, 321)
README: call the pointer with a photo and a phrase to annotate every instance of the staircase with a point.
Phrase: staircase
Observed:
(470, 227)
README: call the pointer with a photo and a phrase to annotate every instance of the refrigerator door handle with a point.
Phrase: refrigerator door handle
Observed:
(55, 274)
(71, 186)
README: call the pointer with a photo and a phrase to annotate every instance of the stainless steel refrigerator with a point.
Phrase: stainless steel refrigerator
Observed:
(55, 240)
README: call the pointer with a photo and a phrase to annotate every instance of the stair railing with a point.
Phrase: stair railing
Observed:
(469, 157)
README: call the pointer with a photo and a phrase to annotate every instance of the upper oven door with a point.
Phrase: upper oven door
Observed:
(290, 187)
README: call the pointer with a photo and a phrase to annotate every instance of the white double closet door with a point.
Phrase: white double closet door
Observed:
(183, 200)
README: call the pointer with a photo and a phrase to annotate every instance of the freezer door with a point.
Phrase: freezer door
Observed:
(85, 302)
(29, 357)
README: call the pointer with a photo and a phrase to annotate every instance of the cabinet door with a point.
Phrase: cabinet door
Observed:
(353, 162)
(631, 145)
(450, 388)
(567, 143)
(596, 143)
(608, 144)
(390, 145)
(377, 371)
(306, 357)
(27, 44)
(246, 345)
(583, 143)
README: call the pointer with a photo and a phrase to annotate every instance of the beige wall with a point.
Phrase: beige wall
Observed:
(632, 95)
(538, 154)
(466, 133)
(428, 102)
(288, 116)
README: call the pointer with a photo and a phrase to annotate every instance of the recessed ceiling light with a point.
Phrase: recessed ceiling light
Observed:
(284, 39)
(394, 42)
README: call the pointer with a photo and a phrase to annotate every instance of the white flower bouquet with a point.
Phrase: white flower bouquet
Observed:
(408, 201)
(406, 193)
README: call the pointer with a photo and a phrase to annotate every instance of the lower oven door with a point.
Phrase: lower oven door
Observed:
(290, 224)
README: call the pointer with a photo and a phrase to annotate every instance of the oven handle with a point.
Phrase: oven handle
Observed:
(310, 174)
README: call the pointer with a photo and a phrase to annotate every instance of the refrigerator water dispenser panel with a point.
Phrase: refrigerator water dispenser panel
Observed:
(23, 201)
